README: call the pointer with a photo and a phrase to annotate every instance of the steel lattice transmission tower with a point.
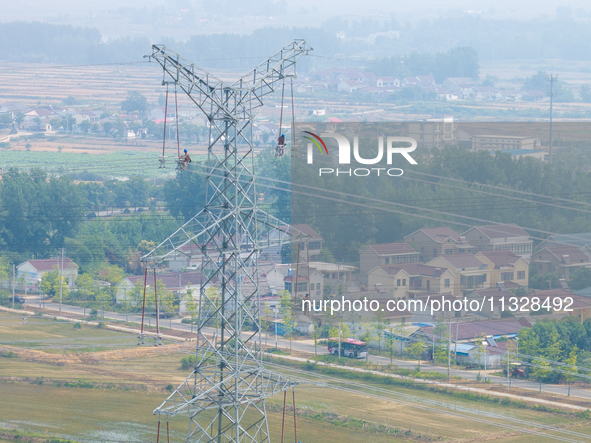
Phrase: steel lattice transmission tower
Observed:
(225, 394)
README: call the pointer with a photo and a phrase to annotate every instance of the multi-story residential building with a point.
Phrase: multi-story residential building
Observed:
(433, 133)
(312, 243)
(500, 237)
(503, 142)
(505, 266)
(581, 240)
(469, 272)
(560, 259)
(385, 254)
(410, 279)
(433, 242)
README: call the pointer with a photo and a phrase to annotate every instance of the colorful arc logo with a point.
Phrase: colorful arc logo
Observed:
(315, 140)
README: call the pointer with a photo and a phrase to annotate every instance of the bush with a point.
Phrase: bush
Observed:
(93, 312)
(188, 362)
(9, 354)
(169, 387)
(78, 325)
(101, 325)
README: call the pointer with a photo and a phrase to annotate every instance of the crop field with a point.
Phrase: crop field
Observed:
(89, 393)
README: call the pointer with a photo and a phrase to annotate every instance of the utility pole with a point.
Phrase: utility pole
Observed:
(449, 347)
(551, 79)
(508, 358)
(13, 285)
(61, 280)
(339, 340)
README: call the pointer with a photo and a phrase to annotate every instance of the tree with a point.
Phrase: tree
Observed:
(166, 300)
(315, 335)
(111, 273)
(50, 284)
(580, 279)
(265, 322)
(368, 337)
(377, 327)
(480, 346)
(390, 341)
(135, 102)
(290, 326)
(86, 287)
(285, 300)
(191, 305)
(416, 350)
(85, 126)
(5, 119)
(104, 298)
(18, 118)
(586, 93)
(343, 328)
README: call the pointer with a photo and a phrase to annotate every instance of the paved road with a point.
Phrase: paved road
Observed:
(307, 346)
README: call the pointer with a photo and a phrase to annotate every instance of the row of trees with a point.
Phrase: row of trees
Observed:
(346, 228)
(567, 342)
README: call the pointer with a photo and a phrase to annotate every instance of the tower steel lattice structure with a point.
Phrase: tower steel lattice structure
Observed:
(224, 396)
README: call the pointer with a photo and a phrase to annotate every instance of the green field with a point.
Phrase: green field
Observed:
(110, 395)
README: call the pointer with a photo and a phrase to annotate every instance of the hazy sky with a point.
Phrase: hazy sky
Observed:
(113, 19)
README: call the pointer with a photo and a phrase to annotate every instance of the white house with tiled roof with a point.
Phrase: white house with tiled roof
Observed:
(34, 270)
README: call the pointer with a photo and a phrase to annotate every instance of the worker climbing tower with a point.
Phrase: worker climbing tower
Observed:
(224, 396)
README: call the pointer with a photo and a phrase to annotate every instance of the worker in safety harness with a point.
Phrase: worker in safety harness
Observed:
(280, 145)
(185, 159)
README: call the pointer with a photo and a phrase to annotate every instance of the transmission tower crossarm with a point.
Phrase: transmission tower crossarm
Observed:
(202, 87)
(260, 81)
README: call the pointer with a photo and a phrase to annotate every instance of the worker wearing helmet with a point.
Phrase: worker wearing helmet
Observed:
(185, 159)
(280, 145)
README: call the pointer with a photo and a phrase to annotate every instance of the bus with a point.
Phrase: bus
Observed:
(350, 347)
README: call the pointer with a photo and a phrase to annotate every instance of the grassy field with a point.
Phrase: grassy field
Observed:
(110, 395)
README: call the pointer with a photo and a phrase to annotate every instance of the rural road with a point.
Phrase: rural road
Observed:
(307, 346)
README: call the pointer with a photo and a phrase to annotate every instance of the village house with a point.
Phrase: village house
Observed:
(433, 242)
(498, 237)
(560, 259)
(469, 272)
(505, 266)
(410, 280)
(385, 254)
(179, 283)
(581, 240)
(34, 270)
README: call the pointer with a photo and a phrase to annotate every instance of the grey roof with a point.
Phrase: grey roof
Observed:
(461, 261)
(502, 230)
(392, 248)
(414, 269)
(501, 258)
(471, 330)
(581, 239)
(440, 234)
(567, 253)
